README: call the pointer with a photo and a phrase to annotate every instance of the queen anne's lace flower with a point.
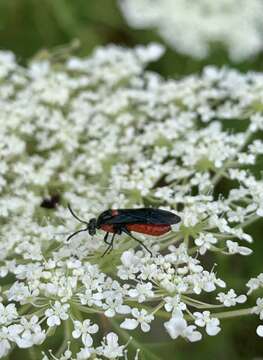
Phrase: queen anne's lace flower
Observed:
(260, 330)
(177, 326)
(84, 330)
(142, 292)
(231, 298)
(141, 318)
(204, 242)
(29, 333)
(111, 348)
(255, 283)
(5, 345)
(101, 133)
(57, 313)
(192, 27)
(7, 313)
(259, 308)
(211, 324)
(234, 248)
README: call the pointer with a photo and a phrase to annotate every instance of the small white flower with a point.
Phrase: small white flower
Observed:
(259, 308)
(204, 242)
(209, 281)
(7, 313)
(231, 298)
(21, 293)
(84, 330)
(142, 318)
(174, 303)
(57, 313)
(31, 333)
(190, 217)
(142, 292)
(254, 283)
(130, 265)
(84, 353)
(260, 330)
(114, 304)
(211, 324)
(177, 326)
(110, 347)
(5, 345)
(234, 248)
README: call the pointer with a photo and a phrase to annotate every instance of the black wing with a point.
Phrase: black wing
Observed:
(144, 216)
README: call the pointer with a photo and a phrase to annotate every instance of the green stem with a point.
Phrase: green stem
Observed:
(38, 313)
(24, 309)
(32, 353)
(158, 307)
(67, 337)
(249, 221)
(76, 311)
(220, 315)
(186, 241)
(233, 313)
(222, 236)
(219, 175)
(199, 304)
(87, 310)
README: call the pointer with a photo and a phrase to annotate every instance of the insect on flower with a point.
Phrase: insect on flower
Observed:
(51, 202)
(148, 221)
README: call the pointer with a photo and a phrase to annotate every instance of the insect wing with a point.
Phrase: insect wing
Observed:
(159, 216)
(144, 216)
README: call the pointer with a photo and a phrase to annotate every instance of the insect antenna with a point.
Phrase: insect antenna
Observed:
(76, 216)
(80, 220)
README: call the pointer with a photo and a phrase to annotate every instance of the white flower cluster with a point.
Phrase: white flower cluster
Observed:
(194, 27)
(101, 133)
(109, 348)
(253, 285)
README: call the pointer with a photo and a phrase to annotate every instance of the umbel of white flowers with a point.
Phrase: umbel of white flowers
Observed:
(195, 27)
(103, 132)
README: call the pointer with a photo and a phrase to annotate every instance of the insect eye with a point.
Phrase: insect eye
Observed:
(92, 226)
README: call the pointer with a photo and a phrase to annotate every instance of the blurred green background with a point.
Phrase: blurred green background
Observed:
(29, 26)
(26, 26)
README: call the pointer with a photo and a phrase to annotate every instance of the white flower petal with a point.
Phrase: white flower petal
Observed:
(129, 324)
(260, 330)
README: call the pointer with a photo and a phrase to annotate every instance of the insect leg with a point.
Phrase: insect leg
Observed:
(139, 241)
(105, 239)
(109, 248)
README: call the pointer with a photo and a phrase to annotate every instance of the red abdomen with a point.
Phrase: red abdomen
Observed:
(107, 228)
(149, 229)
